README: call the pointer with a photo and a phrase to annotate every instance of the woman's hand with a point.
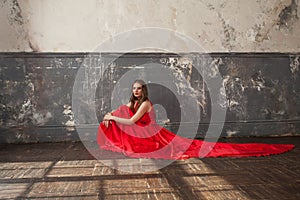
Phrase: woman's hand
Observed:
(106, 123)
(108, 117)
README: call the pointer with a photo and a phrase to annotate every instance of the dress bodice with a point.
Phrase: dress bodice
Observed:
(146, 119)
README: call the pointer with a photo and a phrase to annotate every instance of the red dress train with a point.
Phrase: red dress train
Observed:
(146, 139)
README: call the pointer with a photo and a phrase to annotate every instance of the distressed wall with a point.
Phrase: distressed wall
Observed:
(262, 92)
(254, 45)
(218, 25)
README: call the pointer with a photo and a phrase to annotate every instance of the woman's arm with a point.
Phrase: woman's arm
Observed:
(140, 112)
(105, 122)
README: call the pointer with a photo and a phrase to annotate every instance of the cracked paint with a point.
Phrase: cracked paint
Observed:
(182, 69)
(235, 95)
(15, 12)
(294, 65)
(28, 115)
(231, 133)
(288, 15)
(36, 92)
(69, 118)
(19, 22)
(229, 35)
(258, 81)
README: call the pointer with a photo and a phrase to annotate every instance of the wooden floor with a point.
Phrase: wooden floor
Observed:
(68, 171)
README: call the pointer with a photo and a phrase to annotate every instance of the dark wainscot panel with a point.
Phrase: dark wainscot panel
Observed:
(262, 92)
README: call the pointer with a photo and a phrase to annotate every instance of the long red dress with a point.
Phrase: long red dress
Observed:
(146, 139)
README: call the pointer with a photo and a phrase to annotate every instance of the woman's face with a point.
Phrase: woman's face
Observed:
(137, 90)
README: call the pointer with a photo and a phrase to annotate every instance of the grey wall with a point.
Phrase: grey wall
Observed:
(253, 45)
(262, 92)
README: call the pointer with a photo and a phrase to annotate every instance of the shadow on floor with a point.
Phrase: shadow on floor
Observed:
(68, 170)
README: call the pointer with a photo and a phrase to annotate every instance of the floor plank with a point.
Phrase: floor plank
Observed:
(69, 171)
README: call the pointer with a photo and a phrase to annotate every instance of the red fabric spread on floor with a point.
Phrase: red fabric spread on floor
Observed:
(146, 139)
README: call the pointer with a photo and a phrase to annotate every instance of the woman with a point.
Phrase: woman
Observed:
(132, 130)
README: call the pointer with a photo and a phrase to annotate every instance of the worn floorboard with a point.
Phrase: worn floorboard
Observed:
(69, 171)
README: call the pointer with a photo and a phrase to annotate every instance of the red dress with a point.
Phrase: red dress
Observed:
(146, 139)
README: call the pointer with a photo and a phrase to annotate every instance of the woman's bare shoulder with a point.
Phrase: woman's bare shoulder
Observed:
(148, 105)
(148, 102)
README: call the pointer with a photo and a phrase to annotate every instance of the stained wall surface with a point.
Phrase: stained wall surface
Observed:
(249, 48)
(218, 25)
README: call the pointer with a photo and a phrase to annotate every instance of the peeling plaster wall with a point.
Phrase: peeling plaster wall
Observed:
(254, 45)
(218, 25)
(13, 27)
(261, 91)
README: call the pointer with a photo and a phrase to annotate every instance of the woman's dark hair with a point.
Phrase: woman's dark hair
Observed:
(143, 98)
